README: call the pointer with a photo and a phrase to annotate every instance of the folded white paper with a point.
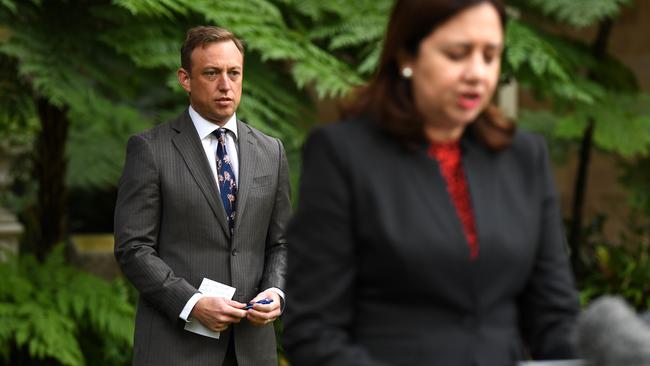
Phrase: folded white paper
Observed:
(210, 288)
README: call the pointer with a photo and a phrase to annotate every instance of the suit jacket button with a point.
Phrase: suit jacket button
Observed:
(234, 252)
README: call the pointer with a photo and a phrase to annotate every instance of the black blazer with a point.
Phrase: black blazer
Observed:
(380, 270)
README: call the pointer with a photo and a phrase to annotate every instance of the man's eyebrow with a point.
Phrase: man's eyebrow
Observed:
(222, 68)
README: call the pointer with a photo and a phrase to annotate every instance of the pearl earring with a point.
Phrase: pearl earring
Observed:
(407, 72)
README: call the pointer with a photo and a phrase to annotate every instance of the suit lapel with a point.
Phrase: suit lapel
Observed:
(247, 167)
(189, 145)
(440, 204)
(478, 168)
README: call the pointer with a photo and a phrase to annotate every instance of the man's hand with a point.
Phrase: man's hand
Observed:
(216, 313)
(264, 314)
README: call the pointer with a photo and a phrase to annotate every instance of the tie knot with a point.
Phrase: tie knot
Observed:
(219, 132)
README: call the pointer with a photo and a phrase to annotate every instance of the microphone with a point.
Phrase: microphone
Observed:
(646, 317)
(609, 333)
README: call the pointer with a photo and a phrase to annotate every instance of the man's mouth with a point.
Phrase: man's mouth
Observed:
(223, 101)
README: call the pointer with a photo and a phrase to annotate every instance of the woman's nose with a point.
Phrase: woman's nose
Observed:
(476, 69)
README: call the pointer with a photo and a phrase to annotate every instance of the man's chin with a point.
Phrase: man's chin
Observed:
(219, 118)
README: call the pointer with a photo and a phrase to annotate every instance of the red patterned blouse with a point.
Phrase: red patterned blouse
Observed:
(448, 156)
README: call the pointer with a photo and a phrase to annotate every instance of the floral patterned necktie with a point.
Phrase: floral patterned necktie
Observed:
(226, 178)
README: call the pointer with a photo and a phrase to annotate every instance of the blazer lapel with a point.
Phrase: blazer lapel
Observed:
(247, 167)
(189, 145)
(440, 203)
(481, 184)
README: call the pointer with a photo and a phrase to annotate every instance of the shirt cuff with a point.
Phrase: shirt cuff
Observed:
(281, 294)
(185, 314)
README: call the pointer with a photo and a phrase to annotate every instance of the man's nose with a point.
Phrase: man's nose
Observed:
(223, 82)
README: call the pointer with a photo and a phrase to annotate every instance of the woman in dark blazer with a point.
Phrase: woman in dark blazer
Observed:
(428, 230)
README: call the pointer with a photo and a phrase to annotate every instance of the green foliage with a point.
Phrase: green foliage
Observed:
(330, 45)
(549, 65)
(618, 269)
(544, 122)
(165, 8)
(74, 71)
(17, 122)
(72, 53)
(356, 27)
(636, 180)
(577, 13)
(267, 34)
(580, 86)
(623, 124)
(46, 307)
(96, 141)
(112, 65)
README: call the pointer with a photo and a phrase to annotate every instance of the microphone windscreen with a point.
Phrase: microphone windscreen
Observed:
(609, 333)
(646, 317)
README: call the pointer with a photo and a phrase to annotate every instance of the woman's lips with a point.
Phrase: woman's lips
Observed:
(469, 101)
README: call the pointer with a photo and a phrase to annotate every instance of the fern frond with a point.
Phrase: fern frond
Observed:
(272, 103)
(164, 8)
(148, 42)
(622, 125)
(45, 305)
(274, 40)
(555, 68)
(48, 334)
(370, 58)
(94, 118)
(544, 122)
(579, 13)
(526, 47)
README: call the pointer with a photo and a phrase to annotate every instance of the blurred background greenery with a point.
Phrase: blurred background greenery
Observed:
(78, 77)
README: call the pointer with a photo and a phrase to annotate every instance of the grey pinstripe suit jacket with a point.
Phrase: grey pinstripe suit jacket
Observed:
(171, 232)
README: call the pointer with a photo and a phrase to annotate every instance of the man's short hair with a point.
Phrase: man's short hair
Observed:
(202, 36)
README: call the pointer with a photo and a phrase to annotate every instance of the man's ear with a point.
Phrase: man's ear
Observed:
(184, 79)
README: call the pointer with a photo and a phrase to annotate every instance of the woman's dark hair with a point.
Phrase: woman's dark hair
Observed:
(388, 99)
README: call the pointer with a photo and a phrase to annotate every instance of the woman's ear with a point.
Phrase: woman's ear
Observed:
(405, 65)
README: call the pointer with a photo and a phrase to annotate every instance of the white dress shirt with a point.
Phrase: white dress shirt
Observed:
(205, 129)
(209, 141)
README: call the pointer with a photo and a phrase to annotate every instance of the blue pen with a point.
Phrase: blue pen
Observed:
(263, 302)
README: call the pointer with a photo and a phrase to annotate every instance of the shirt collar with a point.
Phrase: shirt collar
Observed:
(205, 127)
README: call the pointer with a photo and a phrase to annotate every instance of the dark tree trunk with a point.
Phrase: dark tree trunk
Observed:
(599, 49)
(49, 171)
(579, 190)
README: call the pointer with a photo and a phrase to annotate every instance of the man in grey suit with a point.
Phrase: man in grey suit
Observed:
(205, 196)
